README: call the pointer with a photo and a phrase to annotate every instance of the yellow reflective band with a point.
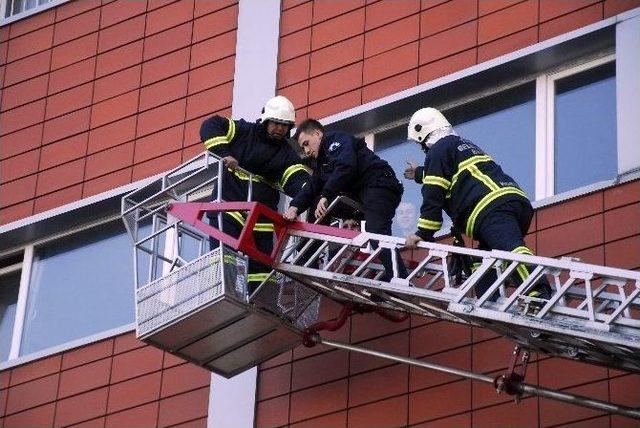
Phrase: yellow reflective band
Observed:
(215, 141)
(236, 216)
(475, 266)
(228, 258)
(490, 197)
(476, 173)
(242, 176)
(522, 250)
(429, 224)
(263, 227)
(436, 181)
(257, 277)
(232, 130)
(290, 171)
(523, 272)
(464, 165)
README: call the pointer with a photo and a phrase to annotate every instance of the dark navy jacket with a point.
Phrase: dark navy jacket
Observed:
(344, 165)
(272, 160)
(464, 181)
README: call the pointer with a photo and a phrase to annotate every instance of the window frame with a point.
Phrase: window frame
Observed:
(25, 13)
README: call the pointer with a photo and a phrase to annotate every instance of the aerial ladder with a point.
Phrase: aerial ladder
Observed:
(192, 299)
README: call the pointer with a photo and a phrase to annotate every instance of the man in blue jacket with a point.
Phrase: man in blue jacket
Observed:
(483, 201)
(261, 148)
(346, 165)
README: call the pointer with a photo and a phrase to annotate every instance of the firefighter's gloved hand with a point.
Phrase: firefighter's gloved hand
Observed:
(321, 208)
(290, 214)
(230, 162)
(410, 170)
(411, 241)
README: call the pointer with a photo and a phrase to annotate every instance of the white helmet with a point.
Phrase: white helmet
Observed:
(424, 122)
(279, 109)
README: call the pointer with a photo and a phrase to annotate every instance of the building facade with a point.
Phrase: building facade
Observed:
(98, 96)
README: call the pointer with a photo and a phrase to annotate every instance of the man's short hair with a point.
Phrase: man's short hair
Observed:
(307, 126)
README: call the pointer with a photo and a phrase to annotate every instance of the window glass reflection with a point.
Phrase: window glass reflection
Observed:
(80, 285)
(9, 287)
(585, 128)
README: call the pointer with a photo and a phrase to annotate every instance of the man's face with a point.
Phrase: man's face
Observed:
(276, 130)
(310, 143)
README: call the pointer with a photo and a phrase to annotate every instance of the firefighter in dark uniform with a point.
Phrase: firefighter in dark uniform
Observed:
(262, 149)
(483, 201)
(346, 165)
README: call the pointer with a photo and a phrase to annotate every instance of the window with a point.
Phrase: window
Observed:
(80, 285)
(585, 128)
(14, 7)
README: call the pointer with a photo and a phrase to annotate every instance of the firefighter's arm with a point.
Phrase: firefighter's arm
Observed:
(436, 182)
(293, 175)
(306, 195)
(217, 133)
(342, 152)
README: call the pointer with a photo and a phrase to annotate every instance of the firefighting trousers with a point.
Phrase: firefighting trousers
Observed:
(504, 228)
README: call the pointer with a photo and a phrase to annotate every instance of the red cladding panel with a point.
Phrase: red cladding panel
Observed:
(35, 22)
(109, 160)
(508, 44)
(420, 378)
(334, 420)
(183, 378)
(381, 13)
(142, 416)
(37, 417)
(446, 66)
(569, 22)
(69, 100)
(273, 382)
(121, 10)
(319, 400)
(16, 212)
(167, 41)
(335, 82)
(158, 143)
(27, 68)
(577, 235)
(447, 15)
(72, 75)
(183, 407)
(106, 182)
(387, 413)
(134, 392)
(378, 384)
(24, 92)
(74, 51)
(622, 222)
(391, 36)
(272, 413)
(448, 42)
(326, 9)
(30, 43)
(84, 378)
(19, 166)
(81, 407)
(296, 18)
(622, 195)
(117, 83)
(121, 34)
(211, 75)
(169, 16)
(87, 354)
(72, 9)
(564, 212)
(434, 338)
(294, 45)
(163, 92)
(508, 21)
(555, 412)
(553, 9)
(319, 369)
(58, 198)
(215, 23)
(165, 66)
(60, 177)
(32, 393)
(213, 49)
(440, 401)
(21, 141)
(336, 104)
(115, 108)
(614, 7)
(157, 165)
(120, 58)
(336, 56)
(112, 135)
(67, 125)
(64, 151)
(337, 29)
(76, 27)
(524, 415)
(36, 369)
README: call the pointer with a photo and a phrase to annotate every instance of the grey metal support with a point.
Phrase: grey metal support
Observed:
(523, 388)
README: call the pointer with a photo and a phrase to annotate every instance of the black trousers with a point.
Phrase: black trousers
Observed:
(504, 228)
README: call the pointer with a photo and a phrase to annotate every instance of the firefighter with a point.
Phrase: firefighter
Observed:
(261, 148)
(346, 165)
(483, 201)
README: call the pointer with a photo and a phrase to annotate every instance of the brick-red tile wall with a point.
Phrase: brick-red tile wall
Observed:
(321, 387)
(118, 382)
(335, 55)
(98, 94)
